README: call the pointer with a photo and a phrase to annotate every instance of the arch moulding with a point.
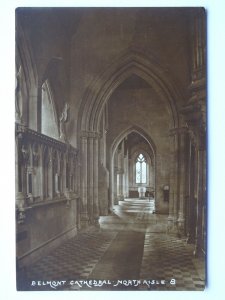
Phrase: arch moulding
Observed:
(104, 85)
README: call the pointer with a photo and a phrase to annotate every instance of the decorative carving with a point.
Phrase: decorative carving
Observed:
(25, 154)
(20, 216)
(35, 154)
(63, 119)
(195, 114)
(33, 146)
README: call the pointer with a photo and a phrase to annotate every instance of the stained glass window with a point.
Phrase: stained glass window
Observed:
(141, 168)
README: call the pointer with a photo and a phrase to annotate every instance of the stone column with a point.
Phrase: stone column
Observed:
(182, 179)
(126, 177)
(172, 183)
(124, 184)
(30, 171)
(41, 183)
(120, 174)
(50, 175)
(191, 214)
(84, 212)
(90, 179)
(194, 112)
(200, 197)
(173, 196)
(115, 186)
(130, 175)
(20, 195)
(95, 180)
(151, 173)
(64, 174)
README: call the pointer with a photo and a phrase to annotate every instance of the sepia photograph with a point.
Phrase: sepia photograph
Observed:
(110, 148)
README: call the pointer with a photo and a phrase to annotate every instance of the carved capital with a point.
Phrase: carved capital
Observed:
(20, 130)
(90, 134)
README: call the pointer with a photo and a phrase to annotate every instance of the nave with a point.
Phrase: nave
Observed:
(110, 111)
(131, 250)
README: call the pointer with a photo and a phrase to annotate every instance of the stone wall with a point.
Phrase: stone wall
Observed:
(46, 226)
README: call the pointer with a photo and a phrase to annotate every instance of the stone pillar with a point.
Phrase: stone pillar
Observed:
(172, 183)
(194, 112)
(120, 174)
(84, 212)
(115, 169)
(124, 184)
(41, 183)
(151, 174)
(126, 177)
(50, 174)
(200, 198)
(65, 187)
(20, 195)
(173, 196)
(191, 213)
(130, 175)
(90, 179)
(30, 171)
(95, 179)
(115, 197)
(182, 179)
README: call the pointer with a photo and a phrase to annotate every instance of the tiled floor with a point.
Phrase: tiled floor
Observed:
(169, 259)
(74, 260)
(130, 251)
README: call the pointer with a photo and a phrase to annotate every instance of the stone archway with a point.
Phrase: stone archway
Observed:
(102, 88)
(26, 82)
(132, 129)
(90, 114)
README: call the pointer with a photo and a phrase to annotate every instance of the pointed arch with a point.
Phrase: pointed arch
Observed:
(115, 144)
(128, 64)
(26, 80)
(138, 130)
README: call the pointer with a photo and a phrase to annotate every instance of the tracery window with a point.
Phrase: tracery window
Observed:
(141, 169)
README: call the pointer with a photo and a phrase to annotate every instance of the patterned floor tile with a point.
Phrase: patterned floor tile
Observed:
(75, 259)
(167, 258)
(164, 261)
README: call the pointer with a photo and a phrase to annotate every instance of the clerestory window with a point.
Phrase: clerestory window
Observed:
(141, 169)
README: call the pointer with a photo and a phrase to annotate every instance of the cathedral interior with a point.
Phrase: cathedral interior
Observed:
(110, 148)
